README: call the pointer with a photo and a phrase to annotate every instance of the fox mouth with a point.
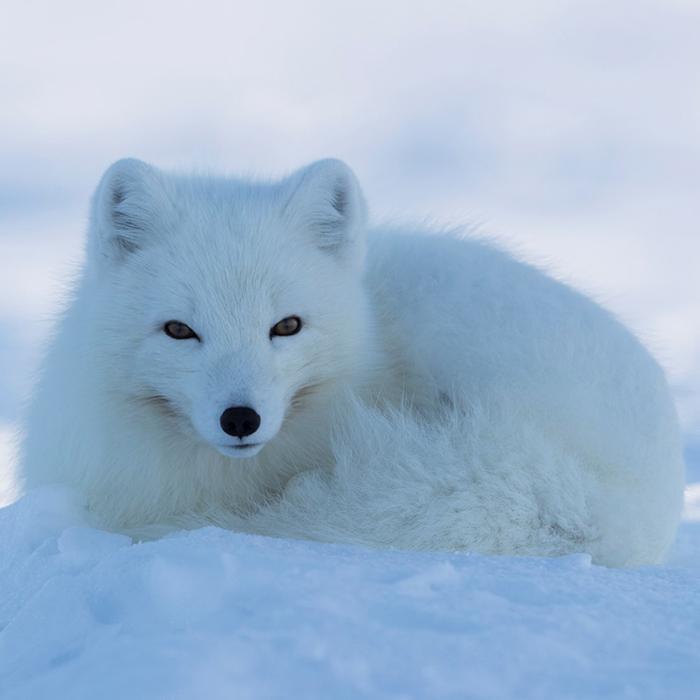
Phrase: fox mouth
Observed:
(242, 449)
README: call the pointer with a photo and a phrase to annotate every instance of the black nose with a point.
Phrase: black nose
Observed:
(239, 421)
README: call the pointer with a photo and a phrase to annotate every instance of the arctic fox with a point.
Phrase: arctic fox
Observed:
(248, 354)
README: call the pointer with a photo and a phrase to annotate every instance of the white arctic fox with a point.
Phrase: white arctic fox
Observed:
(242, 353)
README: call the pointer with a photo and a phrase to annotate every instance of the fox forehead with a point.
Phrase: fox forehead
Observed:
(235, 233)
(223, 221)
(229, 287)
(235, 284)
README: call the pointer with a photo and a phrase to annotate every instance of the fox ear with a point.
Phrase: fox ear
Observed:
(124, 208)
(327, 201)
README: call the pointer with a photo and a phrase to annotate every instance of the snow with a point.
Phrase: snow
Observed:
(8, 489)
(215, 614)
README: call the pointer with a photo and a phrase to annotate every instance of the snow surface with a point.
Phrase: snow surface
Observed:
(215, 614)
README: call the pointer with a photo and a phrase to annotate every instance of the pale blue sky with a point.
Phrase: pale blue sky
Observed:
(571, 130)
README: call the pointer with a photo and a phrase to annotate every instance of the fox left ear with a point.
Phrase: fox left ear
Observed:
(326, 200)
(127, 207)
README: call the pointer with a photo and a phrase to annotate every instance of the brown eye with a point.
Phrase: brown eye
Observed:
(287, 326)
(179, 331)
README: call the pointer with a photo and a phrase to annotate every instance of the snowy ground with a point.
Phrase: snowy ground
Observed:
(214, 614)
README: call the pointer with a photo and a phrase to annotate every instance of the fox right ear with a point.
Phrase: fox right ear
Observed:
(124, 208)
(327, 202)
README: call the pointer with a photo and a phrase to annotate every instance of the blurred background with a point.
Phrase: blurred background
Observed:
(570, 131)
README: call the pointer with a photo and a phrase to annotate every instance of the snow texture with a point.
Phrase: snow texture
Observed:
(211, 613)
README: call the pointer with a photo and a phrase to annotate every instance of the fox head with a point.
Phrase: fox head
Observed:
(225, 305)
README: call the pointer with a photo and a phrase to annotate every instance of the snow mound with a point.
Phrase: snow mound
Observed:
(215, 614)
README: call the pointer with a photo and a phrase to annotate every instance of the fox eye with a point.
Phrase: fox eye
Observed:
(179, 330)
(287, 326)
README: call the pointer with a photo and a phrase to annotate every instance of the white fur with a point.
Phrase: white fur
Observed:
(441, 395)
